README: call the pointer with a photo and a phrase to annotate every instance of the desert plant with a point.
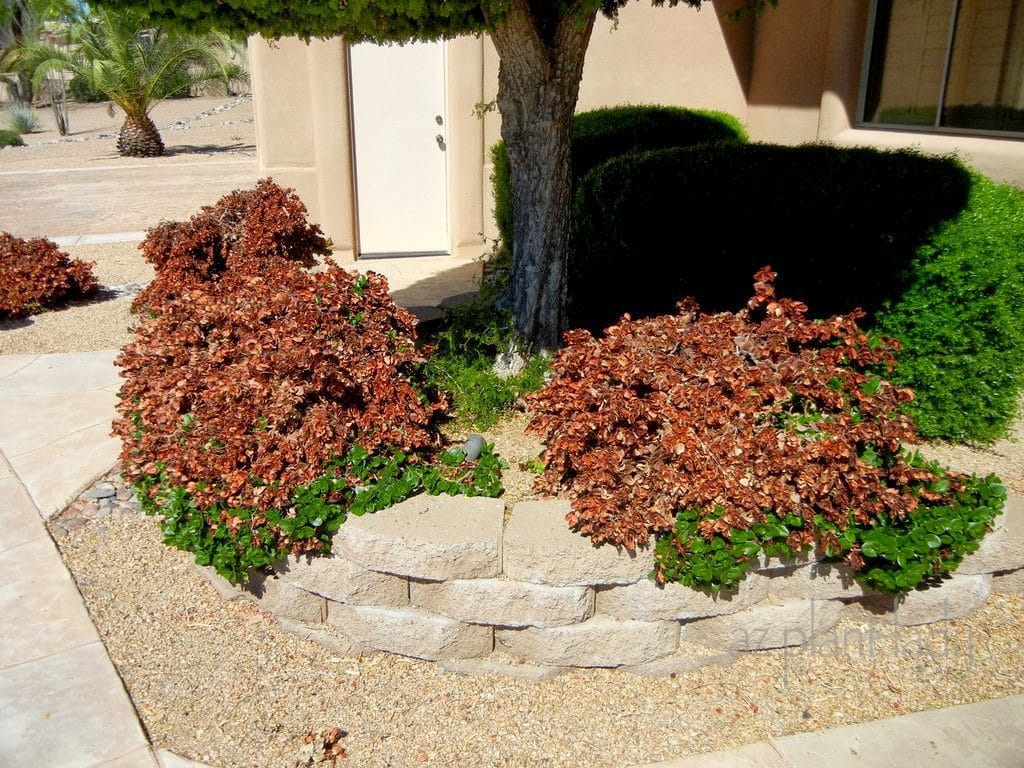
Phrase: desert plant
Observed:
(10, 139)
(21, 119)
(242, 232)
(36, 275)
(135, 67)
(262, 402)
(743, 418)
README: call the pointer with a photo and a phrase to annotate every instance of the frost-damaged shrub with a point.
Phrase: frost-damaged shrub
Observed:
(244, 230)
(35, 274)
(738, 435)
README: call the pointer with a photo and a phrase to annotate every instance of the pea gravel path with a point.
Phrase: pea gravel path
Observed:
(222, 683)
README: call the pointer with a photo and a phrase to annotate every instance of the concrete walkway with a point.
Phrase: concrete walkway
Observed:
(63, 705)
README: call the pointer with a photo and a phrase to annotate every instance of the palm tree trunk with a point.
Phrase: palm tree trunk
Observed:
(139, 138)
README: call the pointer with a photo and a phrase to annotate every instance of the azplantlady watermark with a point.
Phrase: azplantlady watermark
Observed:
(799, 646)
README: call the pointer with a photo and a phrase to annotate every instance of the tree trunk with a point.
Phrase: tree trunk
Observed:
(139, 138)
(538, 85)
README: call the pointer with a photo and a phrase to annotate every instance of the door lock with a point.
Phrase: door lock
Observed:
(439, 120)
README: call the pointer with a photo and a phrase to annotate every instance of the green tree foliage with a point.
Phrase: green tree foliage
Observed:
(541, 45)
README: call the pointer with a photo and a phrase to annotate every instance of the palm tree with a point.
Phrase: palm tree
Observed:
(135, 68)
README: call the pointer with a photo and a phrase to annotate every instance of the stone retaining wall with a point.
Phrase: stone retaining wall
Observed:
(441, 578)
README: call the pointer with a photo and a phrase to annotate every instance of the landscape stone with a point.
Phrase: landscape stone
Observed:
(286, 601)
(501, 667)
(678, 664)
(772, 623)
(601, 641)
(1002, 549)
(343, 581)
(821, 581)
(504, 603)
(648, 601)
(100, 492)
(428, 537)
(540, 548)
(225, 588)
(1009, 582)
(411, 632)
(326, 635)
(955, 598)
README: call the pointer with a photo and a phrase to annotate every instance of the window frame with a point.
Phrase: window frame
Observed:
(862, 123)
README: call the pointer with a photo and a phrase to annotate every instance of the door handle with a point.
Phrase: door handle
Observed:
(440, 142)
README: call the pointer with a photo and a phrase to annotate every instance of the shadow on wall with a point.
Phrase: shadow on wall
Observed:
(840, 226)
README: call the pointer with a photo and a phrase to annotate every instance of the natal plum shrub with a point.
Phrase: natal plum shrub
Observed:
(243, 231)
(762, 427)
(35, 274)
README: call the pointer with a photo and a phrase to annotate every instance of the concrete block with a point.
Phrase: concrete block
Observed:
(326, 635)
(1002, 549)
(954, 598)
(499, 666)
(284, 600)
(427, 537)
(601, 641)
(678, 664)
(819, 580)
(540, 548)
(1009, 582)
(504, 603)
(411, 632)
(343, 581)
(770, 624)
(648, 601)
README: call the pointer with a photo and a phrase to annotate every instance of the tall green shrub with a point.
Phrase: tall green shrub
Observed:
(933, 253)
(961, 319)
(601, 134)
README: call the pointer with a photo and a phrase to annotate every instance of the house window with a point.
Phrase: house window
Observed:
(946, 65)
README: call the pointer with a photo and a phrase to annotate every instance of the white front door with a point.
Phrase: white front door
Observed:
(400, 133)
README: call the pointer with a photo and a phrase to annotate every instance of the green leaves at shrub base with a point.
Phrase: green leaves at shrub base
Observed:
(236, 542)
(10, 139)
(892, 556)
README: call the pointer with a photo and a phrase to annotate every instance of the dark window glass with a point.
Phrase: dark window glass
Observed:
(956, 64)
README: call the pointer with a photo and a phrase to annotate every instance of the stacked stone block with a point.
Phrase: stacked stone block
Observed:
(442, 578)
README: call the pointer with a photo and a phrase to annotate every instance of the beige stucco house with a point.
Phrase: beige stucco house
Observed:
(369, 135)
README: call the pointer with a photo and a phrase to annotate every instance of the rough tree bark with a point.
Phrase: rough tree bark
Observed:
(538, 85)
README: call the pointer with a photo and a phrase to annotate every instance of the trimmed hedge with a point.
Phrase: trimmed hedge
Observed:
(601, 134)
(933, 253)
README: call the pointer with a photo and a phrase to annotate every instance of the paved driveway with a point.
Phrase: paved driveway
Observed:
(58, 202)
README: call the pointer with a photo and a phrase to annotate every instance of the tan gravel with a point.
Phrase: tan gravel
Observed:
(222, 683)
(228, 133)
(100, 323)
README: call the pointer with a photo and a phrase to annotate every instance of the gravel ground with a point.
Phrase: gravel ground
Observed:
(223, 683)
(210, 127)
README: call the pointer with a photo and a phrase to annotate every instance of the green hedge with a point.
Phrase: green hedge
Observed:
(933, 253)
(604, 133)
(961, 319)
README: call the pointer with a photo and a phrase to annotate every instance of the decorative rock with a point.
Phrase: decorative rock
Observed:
(428, 537)
(504, 603)
(327, 636)
(225, 588)
(598, 642)
(286, 601)
(1002, 549)
(344, 582)
(495, 665)
(821, 581)
(955, 598)
(770, 624)
(678, 664)
(410, 632)
(100, 492)
(540, 548)
(1009, 582)
(647, 601)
